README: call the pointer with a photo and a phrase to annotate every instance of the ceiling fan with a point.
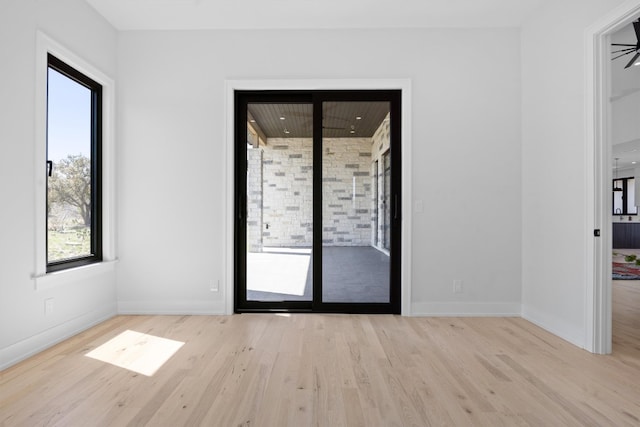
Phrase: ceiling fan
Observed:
(630, 48)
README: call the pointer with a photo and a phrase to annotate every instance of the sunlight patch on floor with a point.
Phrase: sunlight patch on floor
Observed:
(137, 352)
(278, 270)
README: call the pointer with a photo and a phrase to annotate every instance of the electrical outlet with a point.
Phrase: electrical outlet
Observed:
(48, 306)
(215, 286)
(458, 288)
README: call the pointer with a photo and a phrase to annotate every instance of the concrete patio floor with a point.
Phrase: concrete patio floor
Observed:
(350, 274)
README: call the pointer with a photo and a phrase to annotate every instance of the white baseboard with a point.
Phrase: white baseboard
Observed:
(28, 347)
(188, 307)
(555, 325)
(466, 309)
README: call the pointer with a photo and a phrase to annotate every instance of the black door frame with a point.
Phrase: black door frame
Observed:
(317, 98)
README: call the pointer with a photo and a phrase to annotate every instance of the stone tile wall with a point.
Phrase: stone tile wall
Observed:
(380, 145)
(346, 192)
(287, 192)
(280, 191)
(254, 200)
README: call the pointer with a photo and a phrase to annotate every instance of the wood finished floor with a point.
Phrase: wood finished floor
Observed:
(333, 370)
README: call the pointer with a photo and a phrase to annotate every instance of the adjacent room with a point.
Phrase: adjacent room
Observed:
(625, 108)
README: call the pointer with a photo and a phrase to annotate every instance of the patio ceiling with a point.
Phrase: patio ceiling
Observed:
(340, 119)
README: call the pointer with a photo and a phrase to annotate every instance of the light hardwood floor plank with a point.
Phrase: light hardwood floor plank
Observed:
(335, 370)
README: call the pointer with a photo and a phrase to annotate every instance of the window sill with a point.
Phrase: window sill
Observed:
(52, 280)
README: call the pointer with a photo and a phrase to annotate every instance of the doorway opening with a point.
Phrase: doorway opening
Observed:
(624, 104)
(307, 229)
(598, 304)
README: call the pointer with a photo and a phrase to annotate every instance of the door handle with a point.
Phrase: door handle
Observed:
(395, 206)
(49, 167)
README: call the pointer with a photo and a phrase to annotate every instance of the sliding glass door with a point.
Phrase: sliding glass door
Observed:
(317, 201)
(354, 268)
(279, 194)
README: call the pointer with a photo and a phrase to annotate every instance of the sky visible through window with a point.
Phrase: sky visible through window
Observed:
(68, 116)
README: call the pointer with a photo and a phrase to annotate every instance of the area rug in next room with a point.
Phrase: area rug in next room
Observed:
(626, 271)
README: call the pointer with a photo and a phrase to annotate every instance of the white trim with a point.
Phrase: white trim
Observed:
(555, 325)
(180, 307)
(60, 278)
(466, 309)
(597, 298)
(35, 344)
(347, 84)
(44, 45)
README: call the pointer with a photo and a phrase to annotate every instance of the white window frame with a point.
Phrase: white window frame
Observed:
(42, 279)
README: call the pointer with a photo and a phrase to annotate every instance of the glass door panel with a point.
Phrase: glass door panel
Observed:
(355, 255)
(279, 208)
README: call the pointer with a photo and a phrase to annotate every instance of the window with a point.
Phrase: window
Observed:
(74, 176)
(624, 202)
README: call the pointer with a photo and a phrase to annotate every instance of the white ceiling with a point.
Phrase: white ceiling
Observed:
(312, 14)
(625, 82)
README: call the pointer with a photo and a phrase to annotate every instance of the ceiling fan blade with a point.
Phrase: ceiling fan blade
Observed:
(624, 54)
(629, 49)
(633, 60)
(636, 27)
(621, 44)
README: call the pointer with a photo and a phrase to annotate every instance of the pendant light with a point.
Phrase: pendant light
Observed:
(615, 187)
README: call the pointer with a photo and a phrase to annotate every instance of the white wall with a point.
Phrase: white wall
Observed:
(466, 155)
(625, 118)
(24, 329)
(554, 229)
(491, 204)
